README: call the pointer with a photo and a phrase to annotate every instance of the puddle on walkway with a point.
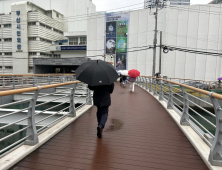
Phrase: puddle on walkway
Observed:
(116, 125)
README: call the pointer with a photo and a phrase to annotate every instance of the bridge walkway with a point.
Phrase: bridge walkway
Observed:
(139, 135)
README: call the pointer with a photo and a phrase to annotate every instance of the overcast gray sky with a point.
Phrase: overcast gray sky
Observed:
(118, 5)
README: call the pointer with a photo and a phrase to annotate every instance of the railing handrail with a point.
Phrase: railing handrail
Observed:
(25, 90)
(192, 80)
(4, 75)
(215, 95)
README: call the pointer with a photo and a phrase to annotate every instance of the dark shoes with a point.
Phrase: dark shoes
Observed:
(99, 132)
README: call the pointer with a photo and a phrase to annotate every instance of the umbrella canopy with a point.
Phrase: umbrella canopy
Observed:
(219, 78)
(96, 73)
(134, 73)
(124, 72)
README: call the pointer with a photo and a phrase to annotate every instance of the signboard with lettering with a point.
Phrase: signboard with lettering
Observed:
(116, 36)
(69, 48)
(19, 41)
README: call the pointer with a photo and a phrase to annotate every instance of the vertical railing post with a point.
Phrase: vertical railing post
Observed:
(31, 131)
(155, 87)
(33, 80)
(89, 102)
(170, 99)
(22, 81)
(143, 85)
(184, 120)
(49, 79)
(3, 81)
(72, 109)
(150, 83)
(146, 84)
(137, 80)
(161, 92)
(215, 157)
(13, 83)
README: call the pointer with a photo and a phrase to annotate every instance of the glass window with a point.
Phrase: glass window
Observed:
(32, 38)
(7, 25)
(8, 53)
(57, 15)
(32, 53)
(82, 41)
(8, 67)
(57, 55)
(73, 41)
(8, 40)
(32, 23)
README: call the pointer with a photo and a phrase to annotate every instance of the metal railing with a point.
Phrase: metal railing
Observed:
(206, 123)
(201, 84)
(35, 120)
(26, 80)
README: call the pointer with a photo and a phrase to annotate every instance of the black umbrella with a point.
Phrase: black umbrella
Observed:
(96, 73)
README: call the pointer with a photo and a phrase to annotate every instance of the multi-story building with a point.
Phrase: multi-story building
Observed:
(216, 2)
(41, 30)
(151, 3)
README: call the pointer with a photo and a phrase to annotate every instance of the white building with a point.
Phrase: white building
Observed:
(41, 29)
(197, 27)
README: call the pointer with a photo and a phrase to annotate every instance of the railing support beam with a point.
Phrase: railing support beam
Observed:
(215, 157)
(31, 131)
(170, 99)
(150, 83)
(161, 92)
(72, 109)
(155, 87)
(184, 120)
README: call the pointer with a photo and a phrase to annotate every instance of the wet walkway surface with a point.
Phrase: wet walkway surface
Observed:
(139, 135)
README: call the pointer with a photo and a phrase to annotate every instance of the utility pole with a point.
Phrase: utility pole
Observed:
(155, 39)
(160, 59)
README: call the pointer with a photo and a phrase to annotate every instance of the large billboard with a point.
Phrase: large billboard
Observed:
(116, 37)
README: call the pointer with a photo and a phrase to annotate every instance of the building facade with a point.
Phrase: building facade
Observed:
(191, 27)
(41, 30)
(216, 2)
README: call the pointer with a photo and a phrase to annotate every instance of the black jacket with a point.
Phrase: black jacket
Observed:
(101, 95)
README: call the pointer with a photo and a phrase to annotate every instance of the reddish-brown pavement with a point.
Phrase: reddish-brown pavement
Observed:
(139, 135)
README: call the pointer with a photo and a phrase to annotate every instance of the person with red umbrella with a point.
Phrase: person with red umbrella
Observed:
(133, 74)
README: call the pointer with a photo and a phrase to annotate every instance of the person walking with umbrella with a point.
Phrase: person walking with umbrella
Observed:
(99, 76)
(133, 74)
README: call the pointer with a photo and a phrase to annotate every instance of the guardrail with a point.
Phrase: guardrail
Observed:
(209, 129)
(27, 80)
(31, 121)
(202, 84)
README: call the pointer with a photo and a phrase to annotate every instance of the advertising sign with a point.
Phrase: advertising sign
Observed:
(116, 37)
(121, 61)
(121, 45)
(122, 28)
(111, 30)
(110, 45)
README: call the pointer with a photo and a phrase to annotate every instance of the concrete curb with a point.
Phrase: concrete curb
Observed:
(200, 146)
(21, 152)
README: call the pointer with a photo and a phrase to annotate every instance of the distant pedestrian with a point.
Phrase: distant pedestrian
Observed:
(121, 79)
(124, 80)
(102, 99)
(132, 83)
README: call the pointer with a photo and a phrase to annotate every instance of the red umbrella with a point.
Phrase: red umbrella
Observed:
(134, 73)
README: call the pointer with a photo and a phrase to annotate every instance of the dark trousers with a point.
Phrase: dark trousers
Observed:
(102, 115)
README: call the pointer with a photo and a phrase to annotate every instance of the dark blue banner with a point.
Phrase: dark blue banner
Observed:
(63, 48)
(111, 30)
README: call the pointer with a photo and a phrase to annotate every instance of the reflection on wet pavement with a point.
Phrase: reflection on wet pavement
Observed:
(116, 125)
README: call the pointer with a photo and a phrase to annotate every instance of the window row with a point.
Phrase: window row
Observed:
(7, 67)
(6, 25)
(46, 26)
(6, 39)
(78, 41)
(7, 54)
(45, 40)
(57, 31)
(45, 54)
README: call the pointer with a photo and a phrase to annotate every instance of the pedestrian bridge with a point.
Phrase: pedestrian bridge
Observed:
(147, 129)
